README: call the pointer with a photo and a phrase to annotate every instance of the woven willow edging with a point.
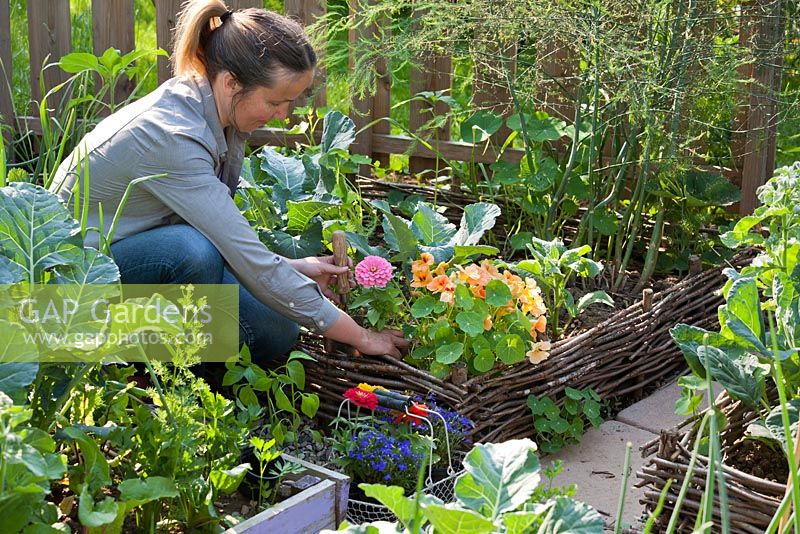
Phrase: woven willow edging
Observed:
(623, 355)
(752, 500)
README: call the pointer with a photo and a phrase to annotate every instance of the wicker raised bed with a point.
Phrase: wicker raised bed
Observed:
(623, 355)
(752, 501)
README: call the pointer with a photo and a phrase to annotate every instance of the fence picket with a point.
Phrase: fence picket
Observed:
(49, 38)
(306, 12)
(753, 143)
(113, 27)
(434, 74)
(166, 17)
(6, 103)
(764, 36)
(361, 109)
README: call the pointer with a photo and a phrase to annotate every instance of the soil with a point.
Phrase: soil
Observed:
(623, 298)
(758, 459)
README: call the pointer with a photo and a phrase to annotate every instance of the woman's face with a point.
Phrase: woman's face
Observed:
(263, 104)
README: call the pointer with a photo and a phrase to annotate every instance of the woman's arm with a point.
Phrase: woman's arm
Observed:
(369, 342)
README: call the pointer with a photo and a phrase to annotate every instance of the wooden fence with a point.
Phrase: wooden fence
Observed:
(113, 21)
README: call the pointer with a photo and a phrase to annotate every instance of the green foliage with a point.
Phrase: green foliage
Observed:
(553, 266)
(494, 494)
(290, 198)
(556, 426)
(28, 465)
(429, 231)
(746, 351)
(479, 315)
(284, 401)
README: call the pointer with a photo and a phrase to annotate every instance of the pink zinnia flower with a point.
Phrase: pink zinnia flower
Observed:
(373, 271)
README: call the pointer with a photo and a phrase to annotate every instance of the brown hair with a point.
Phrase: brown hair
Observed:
(254, 45)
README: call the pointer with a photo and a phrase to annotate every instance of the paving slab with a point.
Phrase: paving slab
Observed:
(657, 412)
(595, 466)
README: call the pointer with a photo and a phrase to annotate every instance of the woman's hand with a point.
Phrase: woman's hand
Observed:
(324, 272)
(389, 342)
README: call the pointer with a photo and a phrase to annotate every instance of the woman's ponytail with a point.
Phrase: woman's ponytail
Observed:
(254, 45)
(196, 21)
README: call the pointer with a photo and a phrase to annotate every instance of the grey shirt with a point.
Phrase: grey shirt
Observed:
(176, 130)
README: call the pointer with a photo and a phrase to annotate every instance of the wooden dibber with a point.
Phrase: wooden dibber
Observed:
(340, 258)
(339, 242)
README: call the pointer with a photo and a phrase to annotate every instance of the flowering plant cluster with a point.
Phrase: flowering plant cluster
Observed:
(379, 445)
(476, 313)
(378, 293)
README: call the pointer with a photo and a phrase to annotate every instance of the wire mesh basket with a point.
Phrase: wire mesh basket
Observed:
(359, 511)
(439, 481)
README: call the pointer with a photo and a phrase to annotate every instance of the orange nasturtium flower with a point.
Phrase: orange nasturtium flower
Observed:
(422, 278)
(438, 284)
(540, 325)
(487, 322)
(426, 258)
(539, 352)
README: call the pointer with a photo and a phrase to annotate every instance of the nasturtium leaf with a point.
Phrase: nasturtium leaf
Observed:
(497, 293)
(505, 173)
(539, 126)
(559, 425)
(470, 322)
(499, 477)
(544, 177)
(423, 306)
(511, 349)
(483, 361)
(591, 408)
(440, 370)
(605, 222)
(480, 126)
(449, 353)
(542, 425)
(464, 298)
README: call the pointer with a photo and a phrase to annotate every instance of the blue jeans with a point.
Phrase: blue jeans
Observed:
(179, 254)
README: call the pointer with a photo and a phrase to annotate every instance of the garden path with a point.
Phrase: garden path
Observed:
(595, 465)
